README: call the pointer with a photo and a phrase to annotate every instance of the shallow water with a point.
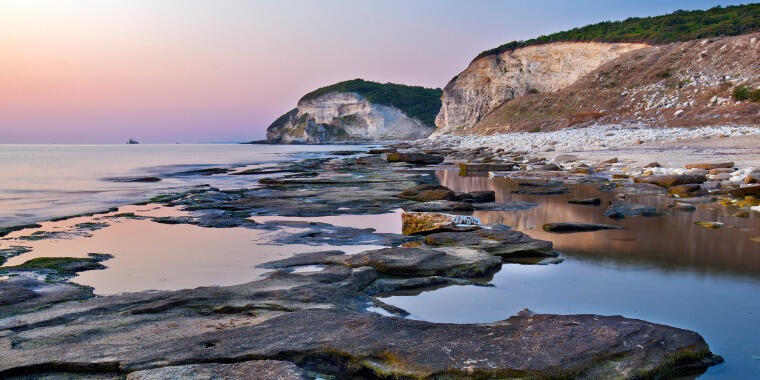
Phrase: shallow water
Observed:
(662, 269)
(155, 256)
(39, 182)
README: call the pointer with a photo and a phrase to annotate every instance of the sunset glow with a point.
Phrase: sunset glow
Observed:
(198, 71)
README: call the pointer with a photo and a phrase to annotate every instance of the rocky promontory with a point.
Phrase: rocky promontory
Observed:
(358, 110)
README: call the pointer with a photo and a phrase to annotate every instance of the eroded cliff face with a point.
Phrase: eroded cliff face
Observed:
(493, 79)
(344, 117)
(683, 84)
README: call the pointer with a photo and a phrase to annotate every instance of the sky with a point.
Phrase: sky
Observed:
(165, 71)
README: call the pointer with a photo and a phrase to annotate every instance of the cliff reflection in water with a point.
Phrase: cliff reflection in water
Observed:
(667, 242)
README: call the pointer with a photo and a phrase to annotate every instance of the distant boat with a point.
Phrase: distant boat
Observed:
(132, 141)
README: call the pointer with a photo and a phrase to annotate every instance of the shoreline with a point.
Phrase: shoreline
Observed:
(435, 253)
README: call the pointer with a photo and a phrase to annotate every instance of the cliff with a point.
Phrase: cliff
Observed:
(358, 110)
(493, 79)
(577, 76)
(691, 83)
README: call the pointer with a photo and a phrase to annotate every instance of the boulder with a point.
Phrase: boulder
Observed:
(567, 227)
(498, 240)
(753, 177)
(550, 168)
(414, 158)
(682, 206)
(370, 160)
(477, 196)
(653, 165)
(582, 170)
(382, 150)
(347, 344)
(566, 158)
(721, 171)
(440, 206)
(400, 261)
(684, 190)
(741, 192)
(421, 223)
(426, 193)
(620, 210)
(613, 160)
(709, 166)
(667, 180)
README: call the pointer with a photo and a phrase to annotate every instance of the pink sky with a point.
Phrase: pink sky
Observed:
(103, 71)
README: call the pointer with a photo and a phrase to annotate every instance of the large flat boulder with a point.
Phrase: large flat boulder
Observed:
(709, 166)
(666, 180)
(741, 192)
(347, 344)
(497, 241)
(399, 261)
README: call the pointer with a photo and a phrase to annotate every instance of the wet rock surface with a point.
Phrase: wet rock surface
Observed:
(297, 323)
(441, 206)
(497, 240)
(254, 370)
(620, 210)
(397, 261)
(415, 158)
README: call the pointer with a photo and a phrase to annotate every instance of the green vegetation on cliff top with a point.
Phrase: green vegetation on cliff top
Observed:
(674, 27)
(416, 102)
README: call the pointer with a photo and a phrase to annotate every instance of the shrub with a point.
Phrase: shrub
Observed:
(674, 27)
(742, 93)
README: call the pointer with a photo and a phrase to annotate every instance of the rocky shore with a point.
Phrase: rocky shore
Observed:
(318, 313)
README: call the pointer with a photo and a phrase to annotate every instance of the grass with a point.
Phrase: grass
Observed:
(416, 102)
(674, 27)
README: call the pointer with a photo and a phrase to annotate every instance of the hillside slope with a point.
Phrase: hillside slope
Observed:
(536, 68)
(358, 110)
(680, 84)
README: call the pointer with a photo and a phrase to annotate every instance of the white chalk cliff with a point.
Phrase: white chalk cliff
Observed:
(493, 79)
(344, 117)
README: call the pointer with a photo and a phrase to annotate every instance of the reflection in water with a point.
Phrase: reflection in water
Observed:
(669, 242)
(149, 255)
(389, 223)
(630, 272)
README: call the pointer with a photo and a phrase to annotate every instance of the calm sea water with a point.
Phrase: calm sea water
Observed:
(39, 182)
(661, 269)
